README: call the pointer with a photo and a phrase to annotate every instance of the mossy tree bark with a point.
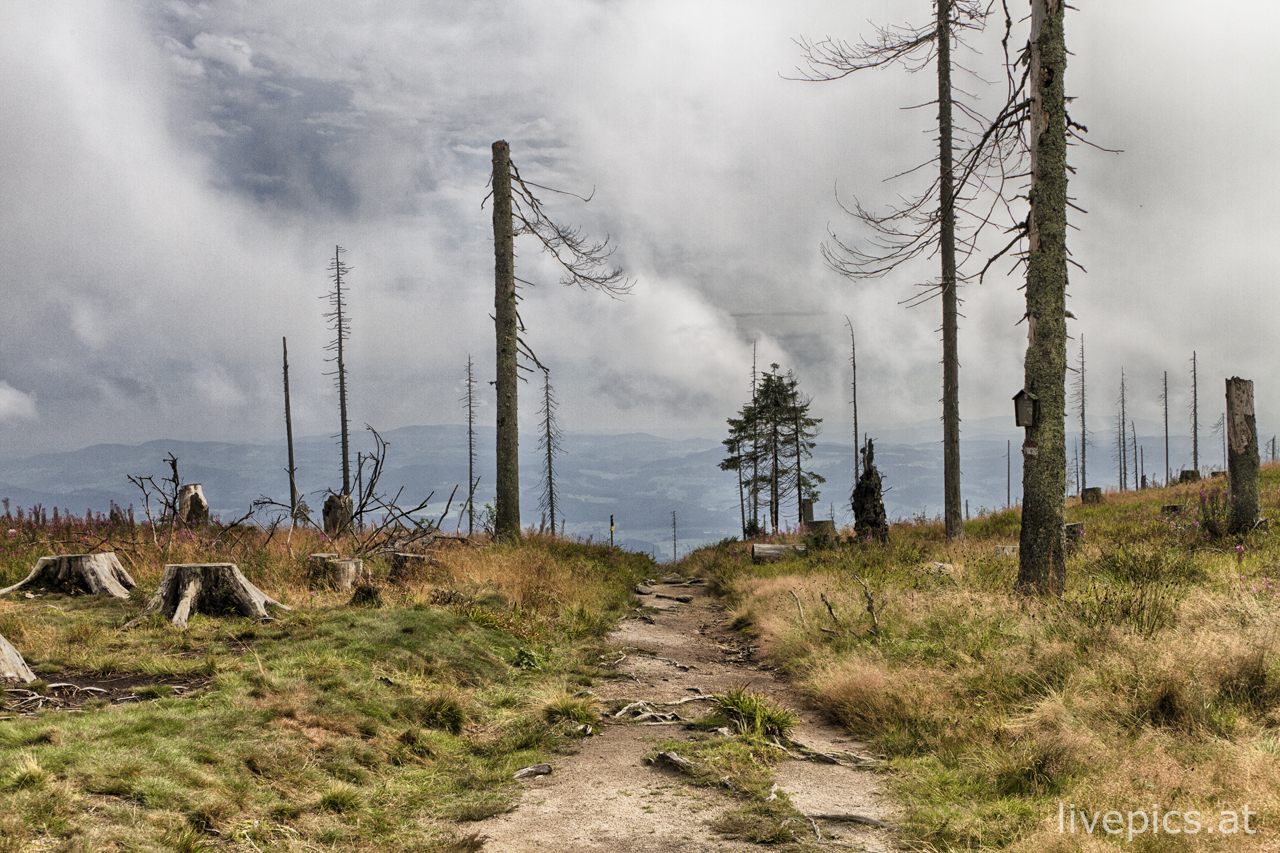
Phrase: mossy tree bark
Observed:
(1242, 455)
(507, 497)
(1041, 568)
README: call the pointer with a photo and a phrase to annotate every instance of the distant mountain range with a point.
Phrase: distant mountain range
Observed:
(636, 478)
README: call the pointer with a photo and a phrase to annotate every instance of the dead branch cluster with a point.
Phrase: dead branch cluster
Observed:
(990, 153)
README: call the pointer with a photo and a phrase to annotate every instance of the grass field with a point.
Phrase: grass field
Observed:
(1143, 708)
(1151, 690)
(333, 728)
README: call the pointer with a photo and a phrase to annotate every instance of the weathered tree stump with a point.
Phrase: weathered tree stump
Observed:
(367, 595)
(411, 567)
(774, 553)
(868, 500)
(330, 571)
(212, 588)
(12, 666)
(1091, 495)
(1189, 477)
(95, 574)
(337, 514)
(1006, 551)
(1073, 535)
(192, 506)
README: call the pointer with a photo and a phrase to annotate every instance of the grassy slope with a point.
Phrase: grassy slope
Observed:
(334, 728)
(1155, 682)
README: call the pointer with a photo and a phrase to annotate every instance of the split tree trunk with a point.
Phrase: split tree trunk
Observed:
(1042, 568)
(192, 506)
(1242, 455)
(95, 574)
(210, 588)
(12, 665)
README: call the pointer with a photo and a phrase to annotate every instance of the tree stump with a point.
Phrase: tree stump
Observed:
(1091, 495)
(329, 571)
(337, 514)
(12, 666)
(1006, 551)
(412, 567)
(868, 500)
(95, 574)
(212, 588)
(1073, 535)
(192, 506)
(774, 553)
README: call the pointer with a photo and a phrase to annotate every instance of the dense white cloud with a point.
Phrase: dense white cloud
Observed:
(15, 405)
(177, 175)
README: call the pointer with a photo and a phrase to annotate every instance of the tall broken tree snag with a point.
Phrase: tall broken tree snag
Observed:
(867, 501)
(75, 574)
(1041, 555)
(1242, 455)
(518, 211)
(12, 666)
(215, 589)
(507, 496)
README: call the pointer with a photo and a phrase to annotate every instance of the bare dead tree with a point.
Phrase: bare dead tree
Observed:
(518, 211)
(1079, 399)
(1195, 418)
(549, 443)
(853, 364)
(1122, 456)
(341, 325)
(975, 156)
(470, 400)
(1164, 399)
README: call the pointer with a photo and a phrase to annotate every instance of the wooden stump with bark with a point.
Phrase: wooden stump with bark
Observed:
(12, 666)
(95, 574)
(330, 571)
(212, 588)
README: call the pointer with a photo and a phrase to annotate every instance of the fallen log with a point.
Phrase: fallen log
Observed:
(96, 574)
(211, 588)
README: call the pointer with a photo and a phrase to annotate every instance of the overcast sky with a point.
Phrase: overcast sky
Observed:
(176, 175)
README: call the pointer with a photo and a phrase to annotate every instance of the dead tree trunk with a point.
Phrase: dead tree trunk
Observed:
(211, 588)
(192, 506)
(95, 574)
(12, 666)
(1041, 555)
(868, 501)
(337, 515)
(1242, 458)
(507, 495)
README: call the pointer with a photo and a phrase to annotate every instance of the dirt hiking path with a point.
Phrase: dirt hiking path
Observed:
(605, 798)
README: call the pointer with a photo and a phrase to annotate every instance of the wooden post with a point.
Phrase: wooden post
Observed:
(1242, 455)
